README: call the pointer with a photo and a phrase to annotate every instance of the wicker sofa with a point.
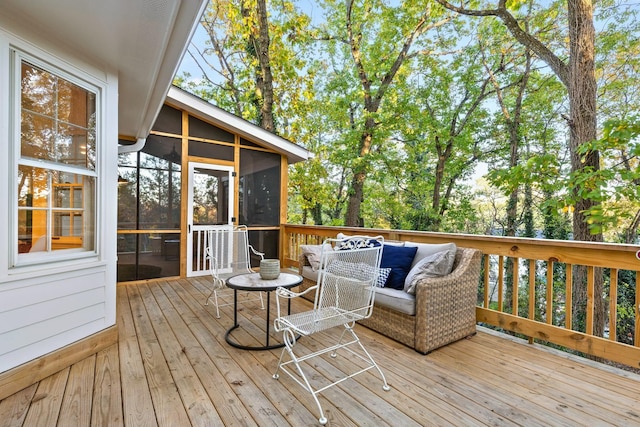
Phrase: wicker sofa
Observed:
(443, 308)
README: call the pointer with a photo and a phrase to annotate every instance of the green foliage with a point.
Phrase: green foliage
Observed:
(448, 112)
(433, 124)
(625, 317)
(614, 184)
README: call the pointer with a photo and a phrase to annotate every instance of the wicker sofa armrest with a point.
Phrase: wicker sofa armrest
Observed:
(446, 306)
(302, 260)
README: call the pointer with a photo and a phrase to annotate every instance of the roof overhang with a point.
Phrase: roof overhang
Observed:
(232, 123)
(143, 41)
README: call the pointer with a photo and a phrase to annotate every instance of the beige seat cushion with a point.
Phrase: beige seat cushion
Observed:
(395, 299)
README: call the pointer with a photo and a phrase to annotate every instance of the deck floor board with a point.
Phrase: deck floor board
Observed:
(172, 366)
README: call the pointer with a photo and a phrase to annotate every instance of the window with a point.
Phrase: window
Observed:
(259, 188)
(56, 162)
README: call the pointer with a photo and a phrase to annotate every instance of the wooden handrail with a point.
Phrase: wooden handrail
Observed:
(527, 255)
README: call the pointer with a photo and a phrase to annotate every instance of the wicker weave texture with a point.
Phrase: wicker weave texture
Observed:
(306, 284)
(445, 307)
(393, 324)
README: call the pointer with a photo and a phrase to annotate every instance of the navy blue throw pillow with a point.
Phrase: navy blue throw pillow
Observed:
(399, 259)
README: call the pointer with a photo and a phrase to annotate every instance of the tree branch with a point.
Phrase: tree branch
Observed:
(559, 67)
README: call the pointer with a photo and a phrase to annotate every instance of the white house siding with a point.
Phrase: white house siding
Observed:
(41, 315)
(47, 307)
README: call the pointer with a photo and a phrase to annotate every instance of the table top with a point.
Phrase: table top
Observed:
(253, 282)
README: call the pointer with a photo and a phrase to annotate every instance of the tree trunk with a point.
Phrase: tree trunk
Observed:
(444, 152)
(632, 231)
(353, 218)
(259, 48)
(579, 78)
(371, 103)
(316, 212)
(582, 124)
(262, 50)
(356, 196)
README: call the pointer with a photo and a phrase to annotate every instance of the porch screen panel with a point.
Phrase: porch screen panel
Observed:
(202, 129)
(169, 121)
(127, 191)
(148, 256)
(149, 197)
(210, 150)
(265, 241)
(259, 188)
(159, 179)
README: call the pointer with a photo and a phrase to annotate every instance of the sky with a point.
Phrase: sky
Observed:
(200, 36)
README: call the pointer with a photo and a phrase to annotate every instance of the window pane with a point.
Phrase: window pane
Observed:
(68, 190)
(67, 223)
(259, 188)
(71, 145)
(75, 105)
(58, 119)
(38, 90)
(55, 210)
(33, 187)
(37, 136)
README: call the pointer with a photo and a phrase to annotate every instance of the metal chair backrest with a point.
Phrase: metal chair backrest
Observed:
(349, 269)
(228, 251)
(348, 277)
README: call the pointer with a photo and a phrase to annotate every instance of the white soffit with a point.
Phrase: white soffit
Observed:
(232, 123)
(142, 40)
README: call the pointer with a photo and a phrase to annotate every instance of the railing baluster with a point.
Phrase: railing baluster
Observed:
(573, 254)
(613, 304)
(486, 280)
(550, 292)
(199, 262)
(514, 297)
(500, 282)
(532, 292)
(568, 302)
(590, 295)
(636, 335)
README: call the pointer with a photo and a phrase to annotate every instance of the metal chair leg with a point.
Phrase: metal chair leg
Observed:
(290, 341)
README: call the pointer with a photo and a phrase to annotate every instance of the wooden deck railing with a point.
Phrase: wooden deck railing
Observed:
(538, 276)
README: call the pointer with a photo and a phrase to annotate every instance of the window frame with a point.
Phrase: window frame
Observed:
(18, 260)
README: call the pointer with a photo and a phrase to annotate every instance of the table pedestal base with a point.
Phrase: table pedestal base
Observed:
(235, 344)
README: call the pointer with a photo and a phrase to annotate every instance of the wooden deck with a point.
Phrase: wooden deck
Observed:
(172, 367)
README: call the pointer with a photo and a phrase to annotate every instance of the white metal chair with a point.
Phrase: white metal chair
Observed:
(227, 252)
(345, 294)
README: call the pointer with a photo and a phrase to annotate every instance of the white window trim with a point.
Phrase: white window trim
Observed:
(19, 263)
